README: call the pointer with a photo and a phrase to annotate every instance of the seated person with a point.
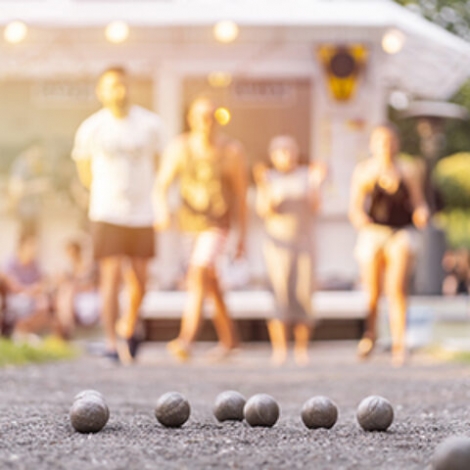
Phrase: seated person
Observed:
(28, 305)
(456, 265)
(6, 323)
(77, 299)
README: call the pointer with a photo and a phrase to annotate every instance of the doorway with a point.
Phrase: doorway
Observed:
(259, 109)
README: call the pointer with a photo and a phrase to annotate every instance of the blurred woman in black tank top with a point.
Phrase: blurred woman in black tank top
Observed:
(391, 209)
(387, 205)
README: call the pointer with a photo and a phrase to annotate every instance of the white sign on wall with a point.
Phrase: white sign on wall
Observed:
(264, 92)
(63, 93)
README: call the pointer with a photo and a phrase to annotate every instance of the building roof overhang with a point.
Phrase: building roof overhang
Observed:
(433, 63)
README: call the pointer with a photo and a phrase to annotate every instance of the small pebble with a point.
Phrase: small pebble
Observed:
(261, 410)
(89, 414)
(229, 406)
(319, 412)
(452, 454)
(172, 410)
(375, 413)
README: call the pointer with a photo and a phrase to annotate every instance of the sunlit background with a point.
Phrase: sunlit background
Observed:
(324, 71)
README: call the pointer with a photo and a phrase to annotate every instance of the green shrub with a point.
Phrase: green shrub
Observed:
(452, 178)
(456, 224)
(51, 349)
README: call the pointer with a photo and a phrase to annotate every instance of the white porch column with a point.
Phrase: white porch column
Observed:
(378, 85)
(341, 131)
(168, 103)
(168, 99)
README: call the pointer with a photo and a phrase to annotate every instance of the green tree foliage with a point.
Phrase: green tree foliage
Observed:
(458, 132)
(452, 174)
(453, 15)
(452, 177)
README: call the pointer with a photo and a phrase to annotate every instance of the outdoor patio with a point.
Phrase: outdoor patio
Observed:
(430, 398)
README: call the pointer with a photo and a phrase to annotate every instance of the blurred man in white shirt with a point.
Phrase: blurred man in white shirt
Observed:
(116, 152)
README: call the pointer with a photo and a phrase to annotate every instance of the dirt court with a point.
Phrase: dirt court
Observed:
(431, 402)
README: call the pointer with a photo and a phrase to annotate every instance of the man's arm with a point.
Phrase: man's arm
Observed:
(84, 171)
(237, 173)
(357, 199)
(159, 141)
(169, 169)
(81, 154)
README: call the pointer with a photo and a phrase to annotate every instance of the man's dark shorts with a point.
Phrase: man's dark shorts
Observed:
(116, 240)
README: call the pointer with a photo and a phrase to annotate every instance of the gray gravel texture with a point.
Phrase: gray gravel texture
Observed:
(431, 402)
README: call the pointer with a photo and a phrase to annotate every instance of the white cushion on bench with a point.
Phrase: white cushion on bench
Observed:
(257, 304)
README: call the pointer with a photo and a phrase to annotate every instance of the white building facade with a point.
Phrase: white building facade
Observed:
(278, 75)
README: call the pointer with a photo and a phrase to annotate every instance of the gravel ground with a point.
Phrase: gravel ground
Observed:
(430, 400)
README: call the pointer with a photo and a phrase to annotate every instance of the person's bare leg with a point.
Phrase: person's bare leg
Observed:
(110, 273)
(397, 276)
(302, 334)
(65, 317)
(303, 293)
(372, 280)
(278, 264)
(136, 280)
(278, 336)
(223, 323)
(39, 321)
(192, 315)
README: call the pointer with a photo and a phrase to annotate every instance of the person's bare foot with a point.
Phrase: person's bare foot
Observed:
(301, 357)
(399, 357)
(220, 353)
(122, 328)
(365, 347)
(127, 348)
(123, 352)
(278, 358)
(178, 350)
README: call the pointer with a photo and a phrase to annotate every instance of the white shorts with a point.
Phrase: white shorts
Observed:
(374, 238)
(20, 306)
(205, 247)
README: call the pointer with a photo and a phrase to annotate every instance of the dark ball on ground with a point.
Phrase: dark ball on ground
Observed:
(319, 412)
(89, 393)
(89, 414)
(229, 406)
(172, 410)
(452, 454)
(85, 393)
(375, 413)
(261, 410)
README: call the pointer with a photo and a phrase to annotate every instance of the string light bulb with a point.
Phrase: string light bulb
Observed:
(117, 32)
(393, 41)
(226, 31)
(15, 32)
(223, 116)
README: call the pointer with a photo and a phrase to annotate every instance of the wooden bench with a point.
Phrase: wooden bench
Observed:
(339, 314)
(326, 305)
(257, 304)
